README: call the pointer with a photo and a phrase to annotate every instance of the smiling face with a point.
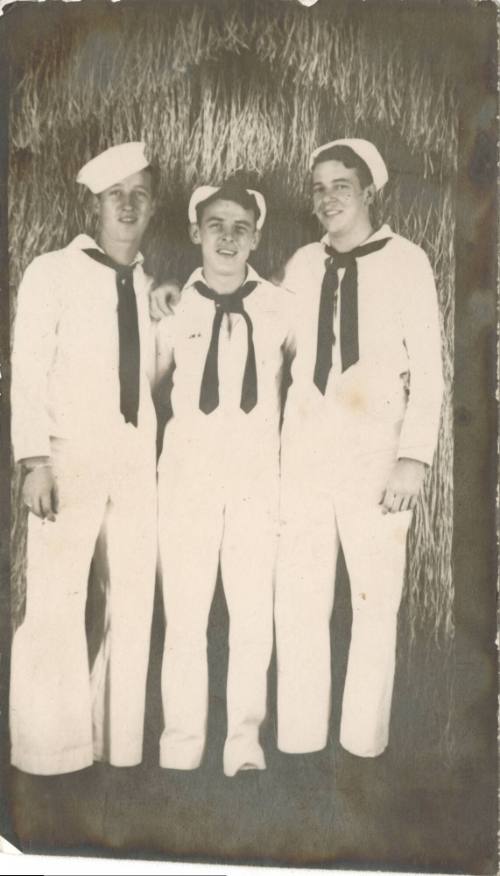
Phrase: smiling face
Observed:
(124, 210)
(227, 235)
(340, 202)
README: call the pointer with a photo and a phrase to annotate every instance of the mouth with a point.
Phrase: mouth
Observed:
(128, 220)
(331, 211)
(227, 253)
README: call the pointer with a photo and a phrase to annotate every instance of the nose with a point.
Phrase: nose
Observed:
(127, 201)
(330, 199)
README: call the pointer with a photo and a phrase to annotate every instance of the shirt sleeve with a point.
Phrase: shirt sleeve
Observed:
(297, 273)
(34, 349)
(164, 331)
(290, 324)
(297, 289)
(422, 338)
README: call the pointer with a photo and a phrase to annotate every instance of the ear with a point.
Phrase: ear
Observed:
(256, 240)
(369, 194)
(194, 233)
(96, 205)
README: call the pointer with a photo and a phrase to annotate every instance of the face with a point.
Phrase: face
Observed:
(124, 209)
(340, 203)
(227, 235)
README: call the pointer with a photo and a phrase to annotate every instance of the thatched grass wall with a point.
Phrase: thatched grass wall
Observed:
(248, 85)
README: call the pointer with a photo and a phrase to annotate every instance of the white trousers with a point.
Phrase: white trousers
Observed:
(51, 697)
(214, 508)
(330, 496)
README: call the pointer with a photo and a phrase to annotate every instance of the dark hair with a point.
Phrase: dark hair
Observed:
(230, 190)
(154, 173)
(350, 159)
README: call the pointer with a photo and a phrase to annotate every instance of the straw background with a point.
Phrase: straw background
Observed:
(252, 87)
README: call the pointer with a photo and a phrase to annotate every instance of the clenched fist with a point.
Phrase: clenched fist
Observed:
(403, 486)
(40, 493)
(163, 300)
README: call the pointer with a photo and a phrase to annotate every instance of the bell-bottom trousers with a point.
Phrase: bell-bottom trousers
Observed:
(217, 504)
(330, 496)
(51, 696)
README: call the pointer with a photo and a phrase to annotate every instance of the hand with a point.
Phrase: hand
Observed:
(40, 492)
(164, 299)
(403, 486)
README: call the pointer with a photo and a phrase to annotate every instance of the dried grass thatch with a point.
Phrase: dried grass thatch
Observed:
(248, 85)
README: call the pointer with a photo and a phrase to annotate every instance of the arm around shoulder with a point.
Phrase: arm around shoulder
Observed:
(297, 271)
(164, 342)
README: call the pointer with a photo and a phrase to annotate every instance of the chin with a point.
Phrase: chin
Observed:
(332, 224)
(229, 268)
(128, 234)
(228, 273)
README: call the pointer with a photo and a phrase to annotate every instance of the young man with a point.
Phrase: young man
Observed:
(218, 477)
(84, 430)
(361, 424)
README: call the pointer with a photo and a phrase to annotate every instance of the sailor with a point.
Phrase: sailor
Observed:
(360, 429)
(84, 431)
(227, 346)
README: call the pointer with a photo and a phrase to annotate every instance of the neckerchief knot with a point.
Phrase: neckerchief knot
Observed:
(349, 339)
(225, 304)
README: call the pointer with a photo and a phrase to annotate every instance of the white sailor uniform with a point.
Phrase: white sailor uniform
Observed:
(218, 497)
(338, 450)
(66, 405)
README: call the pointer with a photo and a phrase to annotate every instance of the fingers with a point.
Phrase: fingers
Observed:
(405, 503)
(46, 506)
(154, 309)
(29, 499)
(40, 494)
(33, 505)
(389, 502)
(172, 296)
(55, 498)
(409, 503)
(392, 502)
(155, 305)
(163, 300)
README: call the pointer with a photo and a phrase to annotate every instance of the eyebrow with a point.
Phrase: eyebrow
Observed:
(244, 222)
(338, 179)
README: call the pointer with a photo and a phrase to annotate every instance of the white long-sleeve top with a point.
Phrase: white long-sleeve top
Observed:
(65, 377)
(183, 341)
(398, 378)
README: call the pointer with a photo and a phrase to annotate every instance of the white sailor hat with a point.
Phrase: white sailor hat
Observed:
(203, 193)
(113, 165)
(366, 150)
